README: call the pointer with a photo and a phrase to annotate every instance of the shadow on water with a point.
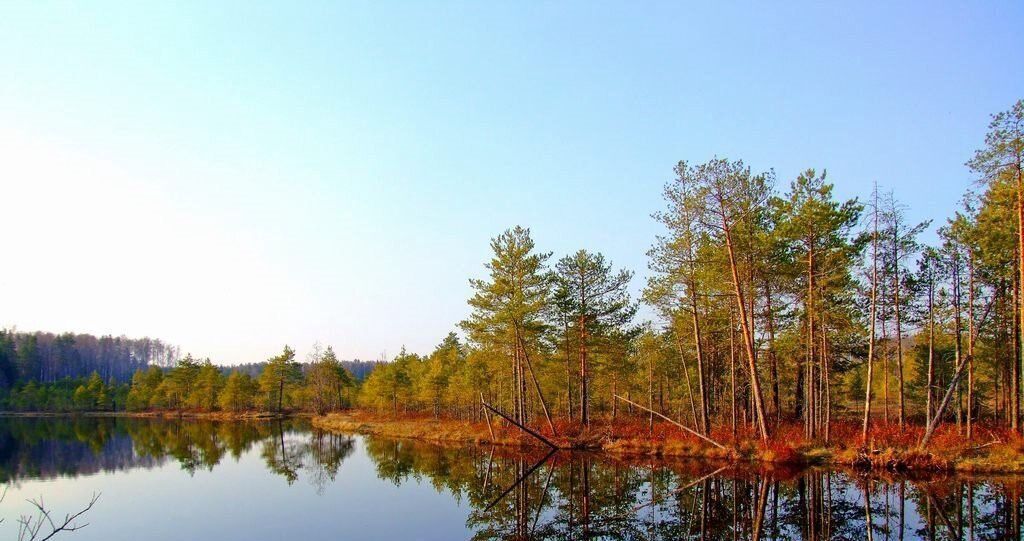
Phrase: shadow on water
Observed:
(537, 495)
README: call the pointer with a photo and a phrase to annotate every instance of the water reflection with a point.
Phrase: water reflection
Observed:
(533, 495)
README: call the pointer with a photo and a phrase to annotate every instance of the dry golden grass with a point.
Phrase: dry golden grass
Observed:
(890, 449)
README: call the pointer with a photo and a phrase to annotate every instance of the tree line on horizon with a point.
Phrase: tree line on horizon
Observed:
(46, 357)
(324, 383)
(775, 302)
(79, 372)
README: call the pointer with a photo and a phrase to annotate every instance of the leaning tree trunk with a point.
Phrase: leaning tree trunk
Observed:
(960, 362)
(937, 418)
(686, 375)
(748, 338)
(536, 384)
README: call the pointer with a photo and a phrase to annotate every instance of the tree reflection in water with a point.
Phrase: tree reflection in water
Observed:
(533, 495)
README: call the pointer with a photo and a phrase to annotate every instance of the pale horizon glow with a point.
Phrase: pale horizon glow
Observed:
(231, 177)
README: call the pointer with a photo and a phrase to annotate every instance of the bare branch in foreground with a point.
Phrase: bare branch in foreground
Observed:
(30, 527)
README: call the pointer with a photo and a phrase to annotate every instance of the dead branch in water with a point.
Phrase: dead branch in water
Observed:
(680, 425)
(522, 427)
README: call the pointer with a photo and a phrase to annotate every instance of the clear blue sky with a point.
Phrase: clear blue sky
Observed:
(235, 176)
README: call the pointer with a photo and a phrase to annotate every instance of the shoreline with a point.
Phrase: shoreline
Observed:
(985, 458)
(949, 454)
(191, 415)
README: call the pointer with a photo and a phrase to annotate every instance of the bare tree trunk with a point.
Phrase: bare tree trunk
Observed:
(970, 343)
(772, 357)
(885, 367)
(536, 384)
(748, 338)
(680, 425)
(937, 418)
(954, 383)
(515, 384)
(809, 424)
(899, 326)
(1019, 305)
(732, 372)
(650, 393)
(702, 388)
(521, 426)
(828, 384)
(798, 392)
(568, 373)
(871, 325)
(615, 392)
(584, 376)
(280, 394)
(957, 334)
(686, 374)
(931, 348)
(1015, 365)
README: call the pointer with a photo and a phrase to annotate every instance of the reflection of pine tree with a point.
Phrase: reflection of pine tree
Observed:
(283, 456)
(567, 496)
(326, 451)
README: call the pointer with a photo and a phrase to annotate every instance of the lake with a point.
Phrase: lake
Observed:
(171, 479)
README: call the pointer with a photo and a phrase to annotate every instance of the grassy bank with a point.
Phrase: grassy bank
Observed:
(991, 451)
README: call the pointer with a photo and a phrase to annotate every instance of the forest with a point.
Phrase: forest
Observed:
(48, 357)
(776, 303)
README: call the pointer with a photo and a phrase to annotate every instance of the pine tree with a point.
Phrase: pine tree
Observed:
(508, 309)
(279, 375)
(1000, 162)
(727, 201)
(238, 393)
(598, 302)
(818, 231)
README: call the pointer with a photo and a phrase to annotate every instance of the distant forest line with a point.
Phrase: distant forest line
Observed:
(43, 370)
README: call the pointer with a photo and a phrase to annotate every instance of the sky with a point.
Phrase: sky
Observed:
(231, 177)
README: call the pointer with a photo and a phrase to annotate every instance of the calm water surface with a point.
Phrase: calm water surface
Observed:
(164, 480)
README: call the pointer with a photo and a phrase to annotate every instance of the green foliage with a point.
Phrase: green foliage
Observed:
(239, 393)
(390, 384)
(278, 379)
(207, 386)
(328, 383)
